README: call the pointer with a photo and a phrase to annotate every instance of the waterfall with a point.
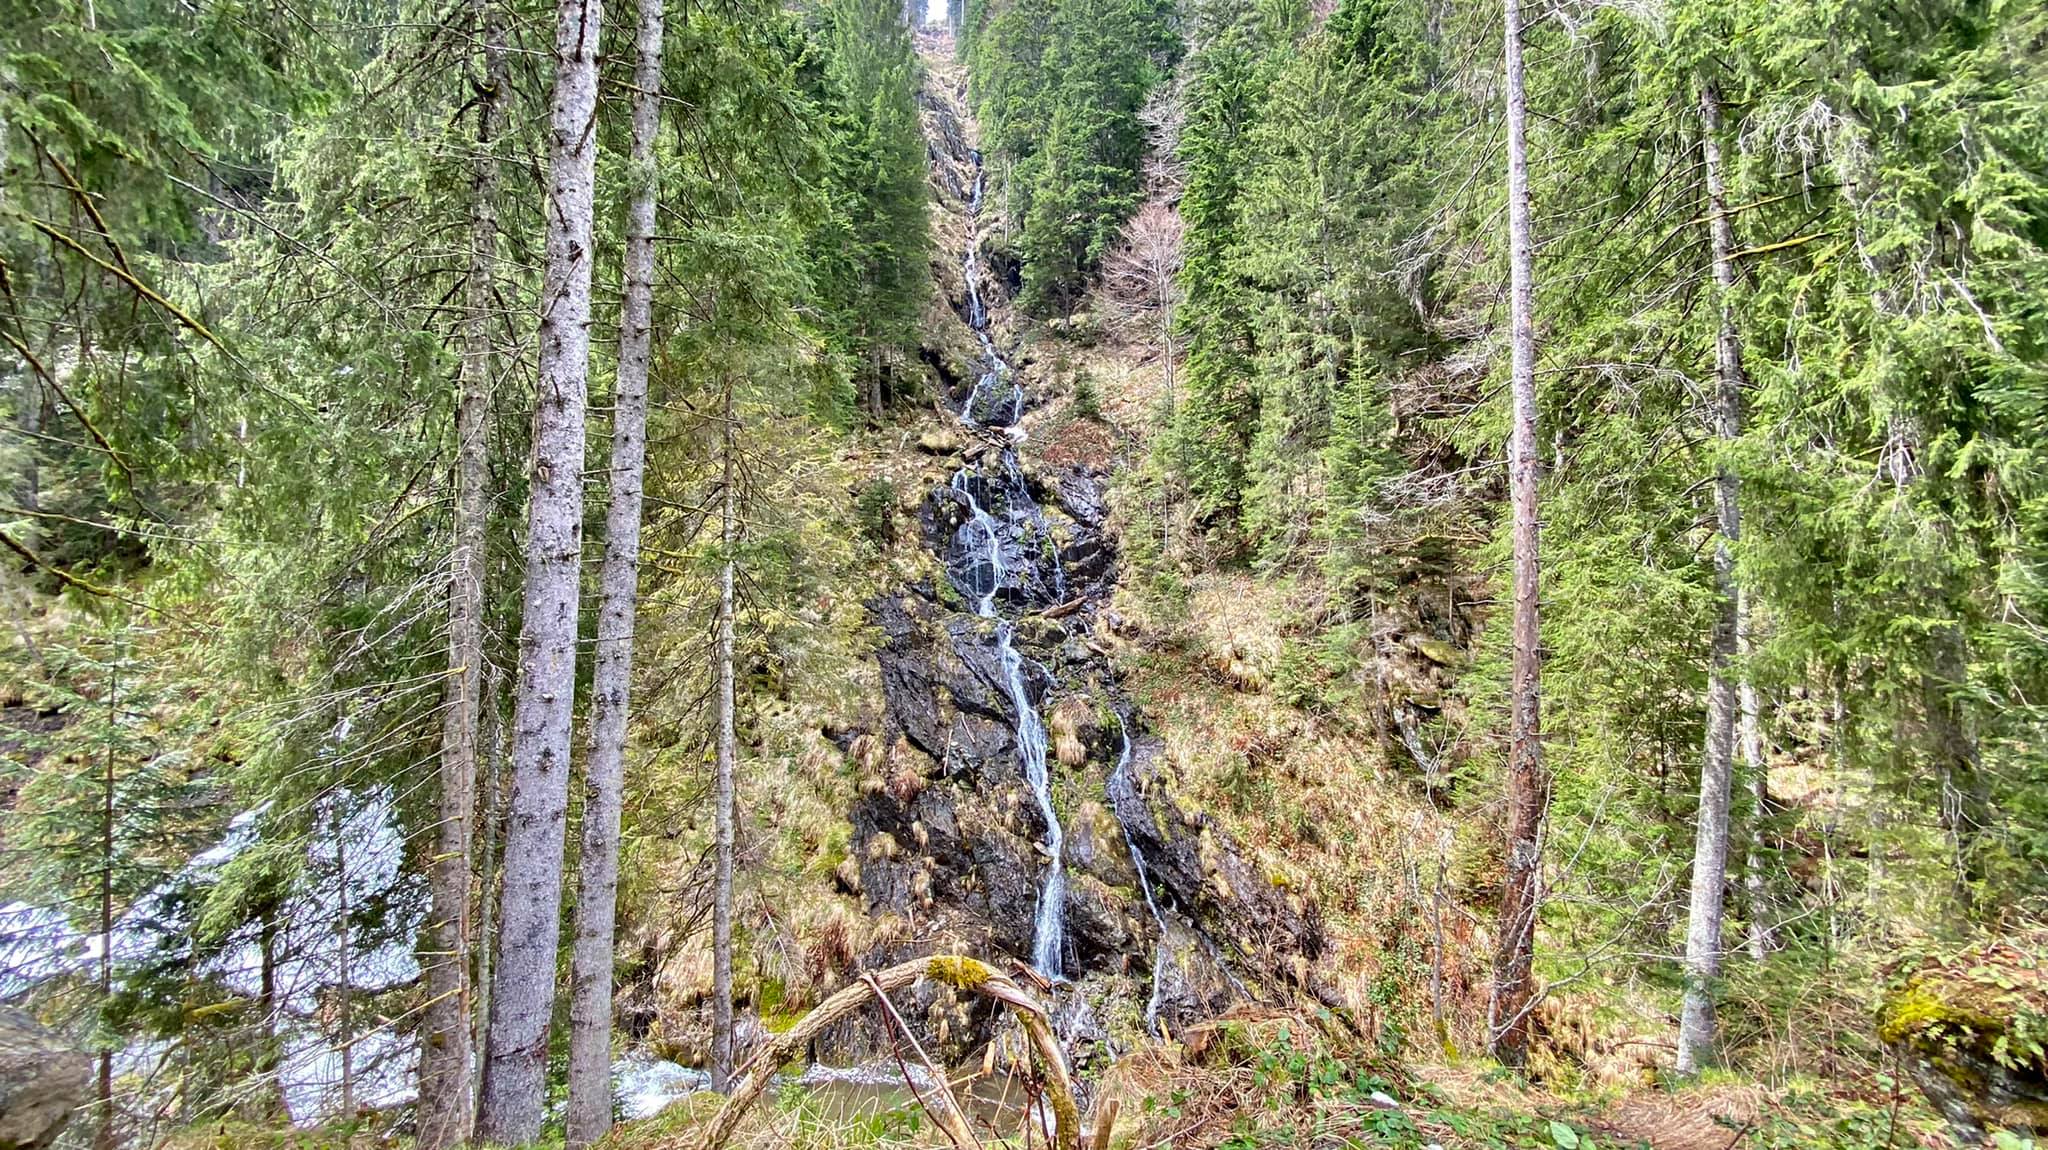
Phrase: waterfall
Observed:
(1046, 925)
(984, 545)
(1161, 953)
(1120, 780)
(985, 604)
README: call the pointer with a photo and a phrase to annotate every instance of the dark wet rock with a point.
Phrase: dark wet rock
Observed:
(910, 681)
(1080, 496)
(1088, 560)
(1100, 929)
(943, 682)
(977, 750)
(1030, 577)
(1190, 983)
(1039, 631)
(1075, 653)
(1203, 875)
(1095, 845)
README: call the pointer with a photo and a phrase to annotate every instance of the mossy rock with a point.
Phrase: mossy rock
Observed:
(1441, 653)
(1972, 1029)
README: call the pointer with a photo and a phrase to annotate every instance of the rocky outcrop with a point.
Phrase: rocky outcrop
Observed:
(1269, 930)
(946, 836)
(42, 1080)
(1972, 1030)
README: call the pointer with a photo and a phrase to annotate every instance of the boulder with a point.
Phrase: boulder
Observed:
(1972, 1030)
(42, 1080)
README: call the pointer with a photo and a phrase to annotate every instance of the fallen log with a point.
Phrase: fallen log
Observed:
(953, 970)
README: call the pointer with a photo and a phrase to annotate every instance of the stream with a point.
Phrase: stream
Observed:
(984, 573)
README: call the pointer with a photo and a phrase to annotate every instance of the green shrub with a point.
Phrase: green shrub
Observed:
(874, 512)
(1087, 404)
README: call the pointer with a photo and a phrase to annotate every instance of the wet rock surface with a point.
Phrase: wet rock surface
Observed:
(1197, 870)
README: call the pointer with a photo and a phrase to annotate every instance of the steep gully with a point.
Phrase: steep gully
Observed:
(1139, 914)
(982, 550)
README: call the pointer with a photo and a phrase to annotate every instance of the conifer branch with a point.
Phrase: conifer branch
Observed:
(63, 576)
(140, 288)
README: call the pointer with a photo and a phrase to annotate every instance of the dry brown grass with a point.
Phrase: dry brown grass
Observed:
(1315, 801)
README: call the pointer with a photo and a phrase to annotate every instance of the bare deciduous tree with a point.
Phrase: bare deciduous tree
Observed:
(1143, 278)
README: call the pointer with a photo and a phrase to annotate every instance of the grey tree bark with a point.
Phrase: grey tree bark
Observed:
(723, 790)
(522, 995)
(344, 942)
(1731, 701)
(104, 1136)
(1965, 798)
(490, 833)
(604, 769)
(1514, 993)
(1750, 738)
(445, 1111)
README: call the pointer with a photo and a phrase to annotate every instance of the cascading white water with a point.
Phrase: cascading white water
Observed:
(1162, 953)
(1047, 930)
(1048, 927)
(985, 603)
(1037, 516)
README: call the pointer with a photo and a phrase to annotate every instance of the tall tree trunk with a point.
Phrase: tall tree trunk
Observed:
(491, 819)
(515, 1068)
(1750, 738)
(1166, 347)
(1514, 989)
(445, 1110)
(103, 1133)
(344, 998)
(1726, 702)
(28, 491)
(268, 941)
(723, 790)
(1965, 800)
(604, 771)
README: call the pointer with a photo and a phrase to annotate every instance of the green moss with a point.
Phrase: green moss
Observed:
(1917, 1012)
(769, 995)
(959, 972)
